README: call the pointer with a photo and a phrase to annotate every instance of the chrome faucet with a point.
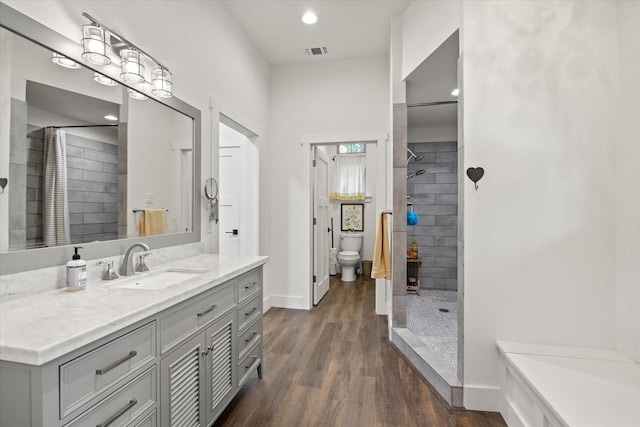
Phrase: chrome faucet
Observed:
(126, 269)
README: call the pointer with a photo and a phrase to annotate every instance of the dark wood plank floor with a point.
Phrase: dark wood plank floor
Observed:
(334, 366)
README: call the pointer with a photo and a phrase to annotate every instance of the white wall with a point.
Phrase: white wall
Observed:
(210, 57)
(628, 180)
(320, 98)
(539, 114)
(540, 107)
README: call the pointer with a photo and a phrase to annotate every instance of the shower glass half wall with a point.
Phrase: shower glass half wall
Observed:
(434, 195)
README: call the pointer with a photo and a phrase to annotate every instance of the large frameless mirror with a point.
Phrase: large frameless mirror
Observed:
(88, 160)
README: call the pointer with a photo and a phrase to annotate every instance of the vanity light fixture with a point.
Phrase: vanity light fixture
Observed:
(95, 45)
(63, 61)
(161, 82)
(103, 80)
(111, 117)
(102, 46)
(134, 94)
(132, 68)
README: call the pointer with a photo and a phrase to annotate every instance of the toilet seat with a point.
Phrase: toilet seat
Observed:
(348, 255)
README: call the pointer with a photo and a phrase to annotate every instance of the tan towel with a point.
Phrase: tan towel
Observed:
(381, 255)
(153, 222)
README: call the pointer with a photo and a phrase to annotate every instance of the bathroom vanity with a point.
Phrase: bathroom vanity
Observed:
(167, 347)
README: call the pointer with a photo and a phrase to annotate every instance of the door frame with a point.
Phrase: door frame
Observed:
(379, 139)
(250, 239)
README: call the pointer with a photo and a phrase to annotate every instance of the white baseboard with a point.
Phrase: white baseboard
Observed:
(481, 398)
(381, 297)
(283, 301)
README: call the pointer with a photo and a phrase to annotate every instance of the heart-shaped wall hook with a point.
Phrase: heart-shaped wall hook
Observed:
(475, 174)
(3, 183)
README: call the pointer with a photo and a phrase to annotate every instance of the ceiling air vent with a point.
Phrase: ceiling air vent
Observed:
(316, 51)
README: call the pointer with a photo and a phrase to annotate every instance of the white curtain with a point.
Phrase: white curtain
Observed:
(55, 209)
(348, 177)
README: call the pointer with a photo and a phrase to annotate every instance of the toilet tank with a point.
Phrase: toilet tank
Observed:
(350, 242)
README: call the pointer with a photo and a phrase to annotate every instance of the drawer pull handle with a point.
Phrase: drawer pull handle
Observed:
(250, 312)
(209, 310)
(251, 286)
(106, 369)
(115, 416)
(253, 359)
(252, 336)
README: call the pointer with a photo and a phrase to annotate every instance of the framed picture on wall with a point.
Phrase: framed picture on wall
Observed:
(352, 217)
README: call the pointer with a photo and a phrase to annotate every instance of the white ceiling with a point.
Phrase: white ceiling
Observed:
(78, 107)
(349, 28)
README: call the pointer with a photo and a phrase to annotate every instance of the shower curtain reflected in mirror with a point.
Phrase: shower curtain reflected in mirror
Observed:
(55, 207)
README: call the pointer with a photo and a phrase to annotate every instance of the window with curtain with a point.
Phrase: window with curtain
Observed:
(349, 177)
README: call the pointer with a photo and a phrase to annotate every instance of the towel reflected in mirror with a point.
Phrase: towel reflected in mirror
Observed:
(153, 222)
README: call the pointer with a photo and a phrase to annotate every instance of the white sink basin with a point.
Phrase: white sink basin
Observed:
(156, 280)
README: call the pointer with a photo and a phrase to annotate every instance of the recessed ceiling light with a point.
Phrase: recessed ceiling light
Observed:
(309, 18)
(455, 92)
(110, 117)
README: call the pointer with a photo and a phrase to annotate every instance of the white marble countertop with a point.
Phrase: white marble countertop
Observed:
(582, 386)
(37, 329)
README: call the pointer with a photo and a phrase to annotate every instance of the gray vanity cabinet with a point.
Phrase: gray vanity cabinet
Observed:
(180, 366)
(197, 379)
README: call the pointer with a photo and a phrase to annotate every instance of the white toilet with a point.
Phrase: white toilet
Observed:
(349, 255)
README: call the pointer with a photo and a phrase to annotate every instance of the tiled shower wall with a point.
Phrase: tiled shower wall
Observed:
(92, 185)
(434, 195)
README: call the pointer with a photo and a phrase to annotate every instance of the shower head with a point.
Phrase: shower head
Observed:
(420, 172)
(412, 155)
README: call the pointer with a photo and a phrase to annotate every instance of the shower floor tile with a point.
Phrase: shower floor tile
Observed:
(437, 329)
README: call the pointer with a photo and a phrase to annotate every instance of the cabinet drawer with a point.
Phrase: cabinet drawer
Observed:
(248, 285)
(176, 326)
(249, 311)
(123, 406)
(250, 363)
(85, 377)
(252, 335)
(149, 421)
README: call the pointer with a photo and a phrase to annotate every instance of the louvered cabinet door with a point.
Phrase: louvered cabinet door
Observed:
(220, 369)
(181, 391)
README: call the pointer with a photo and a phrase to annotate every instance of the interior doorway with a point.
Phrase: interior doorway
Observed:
(238, 189)
(325, 236)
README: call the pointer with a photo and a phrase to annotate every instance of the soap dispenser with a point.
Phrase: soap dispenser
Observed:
(76, 272)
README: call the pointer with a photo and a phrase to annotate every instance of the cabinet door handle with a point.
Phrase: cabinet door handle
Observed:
(253, 309)
(115, 416)
(252, 336)
(253, 359)
(106, 369)
(209, 310)
(251, 286)
(207, 350)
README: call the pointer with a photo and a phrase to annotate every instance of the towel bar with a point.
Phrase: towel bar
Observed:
(142, 210)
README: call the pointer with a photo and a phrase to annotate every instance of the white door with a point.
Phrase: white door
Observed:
(321, 225)
(230, 199)
(238, 192)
